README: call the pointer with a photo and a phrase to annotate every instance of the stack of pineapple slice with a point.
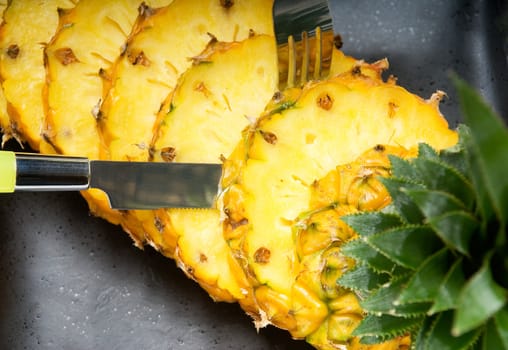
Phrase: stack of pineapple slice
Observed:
(196, 81)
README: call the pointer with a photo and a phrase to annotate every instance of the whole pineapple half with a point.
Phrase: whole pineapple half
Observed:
(433, 263)
(299, 169)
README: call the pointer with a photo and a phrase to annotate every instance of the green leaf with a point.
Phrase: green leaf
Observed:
(425, 283)
(386, 326)
(496, 336)
(501, 326)
(455, 229)
(403, 205)
(420, 338)
(408, 246)
(368, 223)
(449, 290)
(403, 169)
(455, 156)
(364, 253)
(489, 138)
(440, 336)
(362, 279)
(439, 176)
(427, 152)
(434, 203)
(479, 300)
(384, 300)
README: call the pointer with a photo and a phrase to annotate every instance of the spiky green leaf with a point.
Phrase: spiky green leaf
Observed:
(439, 176)
(495, 336)
(435, 203)
(427, 152)
(386, 326)
(489, 137)
(450, 288)
(419, 340)
(365, 254)
(403, 169)
(363, 279)
(369, 223)
(424, 284)
(456, 229)
(479, 300)
(440, 336)
(384, 301)
(401, 203)
(408, 245)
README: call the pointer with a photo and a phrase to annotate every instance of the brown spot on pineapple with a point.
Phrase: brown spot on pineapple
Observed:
(379, 148)
(262, 255)
(138, 58)
(325, 101)
(269, 137)
(144, 10)
(202, 258)
(277, 97)
(337, 41)
(66, 56)
(356, 71)
(159, 225)
(251, 33)
(201, 87)
(392, 109)
(13, 51)
(227, 3)
(103, 74)
(168, 154)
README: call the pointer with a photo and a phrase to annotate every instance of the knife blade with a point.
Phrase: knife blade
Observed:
(128, 185)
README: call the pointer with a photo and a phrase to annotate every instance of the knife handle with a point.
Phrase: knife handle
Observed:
(36, 172)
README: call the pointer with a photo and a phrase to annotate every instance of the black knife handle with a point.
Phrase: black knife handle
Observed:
(36, 172)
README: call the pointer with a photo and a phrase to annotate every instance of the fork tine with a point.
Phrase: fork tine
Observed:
(304, 33)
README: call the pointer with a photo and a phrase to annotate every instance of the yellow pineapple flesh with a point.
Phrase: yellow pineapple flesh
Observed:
(27, 27)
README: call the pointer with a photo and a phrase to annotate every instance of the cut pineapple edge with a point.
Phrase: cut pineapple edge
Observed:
(294, 161)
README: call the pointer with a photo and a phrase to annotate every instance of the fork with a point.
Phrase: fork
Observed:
(305, 40)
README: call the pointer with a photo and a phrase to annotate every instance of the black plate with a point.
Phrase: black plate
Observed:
(72, 281)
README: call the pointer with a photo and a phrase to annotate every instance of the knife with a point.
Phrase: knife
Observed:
(128, 185)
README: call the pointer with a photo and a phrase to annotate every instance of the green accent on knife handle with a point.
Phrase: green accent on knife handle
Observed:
(7, 171)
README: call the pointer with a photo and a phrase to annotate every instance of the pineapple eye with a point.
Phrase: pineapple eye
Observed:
(269, 137)
(66, 56)
(325, 101)
(227, 3)
(168, 154)
(262, 255)
(13, 51)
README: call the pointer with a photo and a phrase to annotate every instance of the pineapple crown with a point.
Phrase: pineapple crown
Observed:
(434, 263)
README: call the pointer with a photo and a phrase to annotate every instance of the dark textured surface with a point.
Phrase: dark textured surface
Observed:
(71, 281)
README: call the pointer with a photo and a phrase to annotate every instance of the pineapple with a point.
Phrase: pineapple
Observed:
(27, 26)
(306, 171)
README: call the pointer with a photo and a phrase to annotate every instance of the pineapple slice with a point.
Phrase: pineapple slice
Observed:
(215, 101)
(270, 179)
(23, 35)
(158, 52)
